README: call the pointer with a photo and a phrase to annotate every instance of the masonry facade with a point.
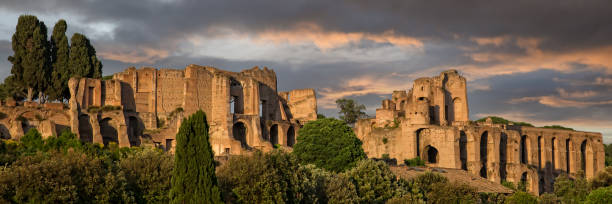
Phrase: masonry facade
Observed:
(146, 107)
(430, 121)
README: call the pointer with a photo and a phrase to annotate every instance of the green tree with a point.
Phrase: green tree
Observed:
(329, 144)
(600, 195)
(60, 74)
(374, 181)
(571, 191)
(608, 150)
(83, 61)
(148, 172)
(444, 192)
(521, 197)
(193, 176)
(31, 55)
(350, 111)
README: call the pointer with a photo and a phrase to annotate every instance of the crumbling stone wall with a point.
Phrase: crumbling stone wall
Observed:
(430, 121)
(243, 108)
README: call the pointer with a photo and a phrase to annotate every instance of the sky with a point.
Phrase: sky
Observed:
(546, 62)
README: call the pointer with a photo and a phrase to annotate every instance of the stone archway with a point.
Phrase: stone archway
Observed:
(290, 136)
(419, 137)
(108, 131)
(503, 155)
(430, 154)
(523, 150)
(568, 148)
(463, 150)
(274, 134)
(587, 159)
(239, 131)
(484, 139)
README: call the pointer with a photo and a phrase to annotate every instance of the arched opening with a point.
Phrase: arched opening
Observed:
(401, 105)
(503, 158)
(483, 153)
(431, 155)
(236, 97)
(553, 149)
(524, 183)
(419, 135)
(523, 149)
(85, 130)
(583, 155)
(274, 134)
(463, 150)
(457, 108)
(541, 185)
(239, 132)
(567, 155)
(109, 133)
(290, 136)
(540, 152)
(134, 131)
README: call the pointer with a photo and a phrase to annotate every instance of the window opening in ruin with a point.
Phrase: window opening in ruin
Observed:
(239, 132)
(169, 144)
(463, 150)
(541, 184)
(85, 129)
(233, 104)
(422, 88)
(523, 149)
(554, 140)
(236, 97)
(432, 154)
(274, 134)
(421, 98)
(457, 108)
(503, 152)
(540, 152)
(524, 180)
(134, 133)
(227, 151)
(446, 112)
(262, 105)
(567, 155)
(290, 136)
(90, 96)
(483, 153)
(583, 155)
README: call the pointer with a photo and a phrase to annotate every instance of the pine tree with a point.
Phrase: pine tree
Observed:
(60, 74)
(83, 61)
(194, 179)
(31, 58)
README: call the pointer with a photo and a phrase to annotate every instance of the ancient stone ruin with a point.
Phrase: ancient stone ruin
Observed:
(430, 121)
(146, 107)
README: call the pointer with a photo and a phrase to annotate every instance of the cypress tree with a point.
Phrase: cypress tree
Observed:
(193, 177)
(83, 61)
(60, 73)
(31, 58)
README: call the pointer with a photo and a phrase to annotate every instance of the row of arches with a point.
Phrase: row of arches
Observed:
(240, 131)
(524, 154)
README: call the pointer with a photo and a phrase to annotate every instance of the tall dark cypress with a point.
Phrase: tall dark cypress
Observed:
(31, 58)
(193, 177)
(83, 61)
(60, 73)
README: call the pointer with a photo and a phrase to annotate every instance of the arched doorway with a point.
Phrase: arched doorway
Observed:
(236, 97)
(109, 133)
(523, 149)
(239, 132)
(290, 136)
(463, 150)
(431, 154)
(583, 157)
(524, 183)
(274, 134)
(483, 153)
(419, 136)
(503, 155)
(134, 131)
(553, 149)
(540, 153)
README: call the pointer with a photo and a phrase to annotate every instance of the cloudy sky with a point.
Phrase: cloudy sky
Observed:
(544, 62)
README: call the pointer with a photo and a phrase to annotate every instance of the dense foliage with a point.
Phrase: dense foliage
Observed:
(500, 120)
(44, 66)
(328, 143)
(350, 111)
(608, 150)
(193, 176)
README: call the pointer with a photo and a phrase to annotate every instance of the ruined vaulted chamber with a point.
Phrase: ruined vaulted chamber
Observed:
(146, 107)
(430, 121)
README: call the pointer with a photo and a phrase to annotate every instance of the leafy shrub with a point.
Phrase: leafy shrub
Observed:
(521, 197)
(148, 172)
(32, 141)
(424, 183)
(62, 178)
(548, 198)
(444, 192)
(571, 191)
(600, 195)
(328, 143)
(374, 181)
(262, 178)
(602, 179)
(417, 161)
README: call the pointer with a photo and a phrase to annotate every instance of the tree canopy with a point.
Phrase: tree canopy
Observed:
(328, 143)
(350, 111)
(83, 61)
(58, 86)
(193, 177)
